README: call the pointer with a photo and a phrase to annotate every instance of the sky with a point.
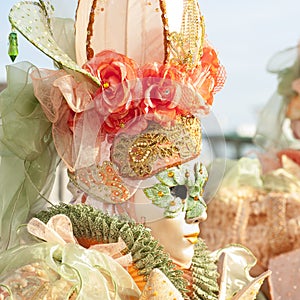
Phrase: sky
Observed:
(246, 35)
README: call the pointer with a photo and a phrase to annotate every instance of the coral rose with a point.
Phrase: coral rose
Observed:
(162, 93)
(118, 76)
(209, 76)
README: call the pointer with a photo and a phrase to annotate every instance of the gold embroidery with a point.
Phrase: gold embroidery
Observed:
(157, 148)
(146, 149)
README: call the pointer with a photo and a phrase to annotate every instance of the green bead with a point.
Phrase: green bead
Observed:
(13, 46)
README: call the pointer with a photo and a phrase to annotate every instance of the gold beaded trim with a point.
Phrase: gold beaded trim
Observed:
(89, 49)
(166, 29)
(146, 149)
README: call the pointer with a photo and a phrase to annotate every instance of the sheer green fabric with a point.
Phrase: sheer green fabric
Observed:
(28, 158)
(270, 132)
(247, 172)
(238, 173)
(64, 35)
(91, 274)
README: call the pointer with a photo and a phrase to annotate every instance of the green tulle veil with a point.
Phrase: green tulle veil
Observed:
(28, 157)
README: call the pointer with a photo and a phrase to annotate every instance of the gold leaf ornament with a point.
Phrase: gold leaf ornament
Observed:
(186, 44)
(157, 148)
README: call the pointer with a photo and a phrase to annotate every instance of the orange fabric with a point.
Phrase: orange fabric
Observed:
(139, 279)
(86, 242)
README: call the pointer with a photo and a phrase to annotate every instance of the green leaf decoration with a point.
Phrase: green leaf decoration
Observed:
(167, 177)
(195, 209)
(175, 205)
(159, 194)
(174, 208)
(180, 177)
(201, 177)
(32, 20)
(195, 190)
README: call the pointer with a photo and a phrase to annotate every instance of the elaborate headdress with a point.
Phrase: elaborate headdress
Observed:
(119, 116)
(133, 77)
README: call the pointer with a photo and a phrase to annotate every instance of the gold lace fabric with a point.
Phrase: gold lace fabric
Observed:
(157, 148)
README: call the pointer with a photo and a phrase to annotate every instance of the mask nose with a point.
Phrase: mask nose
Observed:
(201, 218)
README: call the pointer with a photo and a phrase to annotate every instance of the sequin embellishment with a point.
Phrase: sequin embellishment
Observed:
(101, 182)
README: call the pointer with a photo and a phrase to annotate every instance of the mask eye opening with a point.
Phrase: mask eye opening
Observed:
(179, 191)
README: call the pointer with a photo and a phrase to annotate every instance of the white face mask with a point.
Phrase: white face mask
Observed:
(172, 208)
(174, 234)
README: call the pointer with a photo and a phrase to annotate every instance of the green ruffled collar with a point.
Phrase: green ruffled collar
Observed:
(147, 254)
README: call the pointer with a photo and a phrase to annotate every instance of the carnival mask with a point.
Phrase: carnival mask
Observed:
(172, 207)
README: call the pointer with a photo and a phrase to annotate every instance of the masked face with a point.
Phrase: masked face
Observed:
(170, 204)
(172, 207)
